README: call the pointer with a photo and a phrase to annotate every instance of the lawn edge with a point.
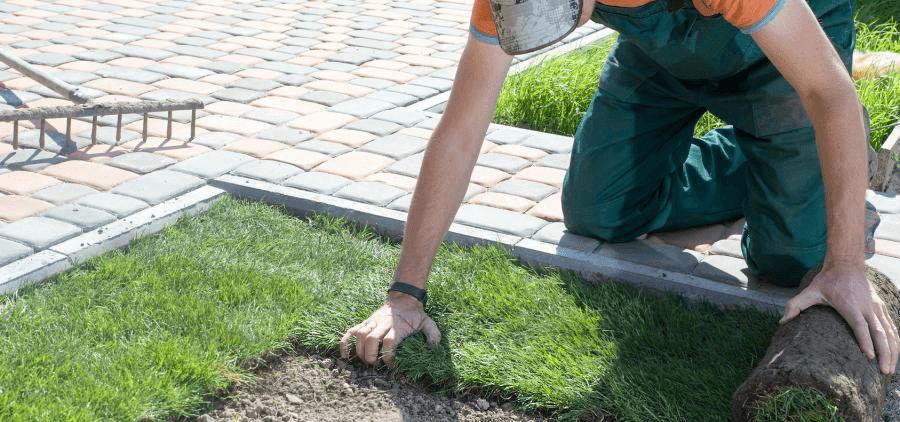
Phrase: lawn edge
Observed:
(590, 265)
(116, 235)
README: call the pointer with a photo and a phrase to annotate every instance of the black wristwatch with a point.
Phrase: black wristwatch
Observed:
(420, 294)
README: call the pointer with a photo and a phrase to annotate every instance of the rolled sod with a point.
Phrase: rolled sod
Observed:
(814, 365)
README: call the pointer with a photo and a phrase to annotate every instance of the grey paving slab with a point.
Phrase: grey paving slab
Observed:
(324, 147)
(223, 66)
(118, 205)
(293, 79)
(505, 162)
(75, 77)
(508, 135)
(136, 31)
(196, 51)
(401, 203)
(327, 98)
(370, 192)
(264, 54)
(159, 186)
(525, 188)
(63, 193)
(727, 247)
(725, 269)
(29, 159)
(557, 161)
(889, 228)
(396, 146)
(431, 122)
(215, 140)
(417, 91)
(549, 142)
(888, 203)
(557, 234)
(131, 74)
(283, 67)
(395, 98)
(212, 164)
(439, 84)
(372, 44)
(654, 254)
(140, 162)
(271, 115)
(285, 135)
(85, 217)
(179, 71)
(11, 251)
(38, 232)
(255, 84)
(238, 95)
(144, 52)
(401, 116)
(408, 166)
(888, 265)
(268, 170)
(374, 126)
(499, 220)
(374, 83)
(362, 107)
(48, 59)
(317, 182)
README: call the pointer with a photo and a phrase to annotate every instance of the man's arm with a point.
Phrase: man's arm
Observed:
(799, 48)
(443, 178)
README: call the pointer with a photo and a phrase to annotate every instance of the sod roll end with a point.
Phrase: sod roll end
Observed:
(817, 351)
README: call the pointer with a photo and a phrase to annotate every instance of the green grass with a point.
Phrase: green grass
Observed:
(798, 405)
(876, 11)
(154, 331)
(553, 96)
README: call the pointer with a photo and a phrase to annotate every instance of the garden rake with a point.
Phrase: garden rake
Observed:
(86, 107)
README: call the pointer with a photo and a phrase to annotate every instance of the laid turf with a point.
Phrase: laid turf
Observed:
(152, 331)
(553, 96)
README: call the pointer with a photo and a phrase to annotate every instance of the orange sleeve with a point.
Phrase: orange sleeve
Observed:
(482, 23)
(748, 15)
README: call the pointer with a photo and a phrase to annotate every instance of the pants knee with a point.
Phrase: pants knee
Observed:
(781, 266)
(602, 220)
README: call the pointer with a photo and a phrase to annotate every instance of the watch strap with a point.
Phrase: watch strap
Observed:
(420, 294)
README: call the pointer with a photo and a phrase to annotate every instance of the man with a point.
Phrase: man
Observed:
(776, 70)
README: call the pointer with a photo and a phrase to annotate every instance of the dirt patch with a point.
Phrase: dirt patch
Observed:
(891, 412)
(313, 388)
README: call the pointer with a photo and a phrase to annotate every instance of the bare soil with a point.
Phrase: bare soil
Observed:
(313, 388)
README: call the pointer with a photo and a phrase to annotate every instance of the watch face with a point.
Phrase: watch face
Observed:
(528, 25)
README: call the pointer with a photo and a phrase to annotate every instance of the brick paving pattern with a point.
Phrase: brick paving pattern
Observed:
(313, 95)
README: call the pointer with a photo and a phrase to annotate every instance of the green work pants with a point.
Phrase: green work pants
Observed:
(637, 168)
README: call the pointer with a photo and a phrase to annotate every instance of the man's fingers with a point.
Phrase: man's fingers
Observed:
(892, 330)
(389, 347)
(880, 340)
(861, 330)
(346, 338)
(890, 337)
(799, 304)
(432, 334)
(370, 355)
(361, 336)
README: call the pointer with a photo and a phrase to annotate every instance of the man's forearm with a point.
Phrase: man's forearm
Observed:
(840, 139)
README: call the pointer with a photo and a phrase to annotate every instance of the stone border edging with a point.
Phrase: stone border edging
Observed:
(589, 264)
(118, 234)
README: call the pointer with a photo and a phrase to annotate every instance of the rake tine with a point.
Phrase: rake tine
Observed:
(15, 134)
(193, 120)
(41, 139)
(145, 127)
(68, 131)
(169, 126)
(94, 131)
(118, 129)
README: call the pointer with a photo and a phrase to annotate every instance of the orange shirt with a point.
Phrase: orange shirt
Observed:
(748, 15)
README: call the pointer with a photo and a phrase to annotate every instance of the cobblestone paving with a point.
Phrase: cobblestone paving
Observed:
(313, 95)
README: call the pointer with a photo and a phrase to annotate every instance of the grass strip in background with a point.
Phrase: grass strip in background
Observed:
(554, 95)
(153, 331)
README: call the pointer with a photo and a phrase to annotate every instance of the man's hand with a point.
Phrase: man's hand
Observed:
(400, 316)
(852, 296)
